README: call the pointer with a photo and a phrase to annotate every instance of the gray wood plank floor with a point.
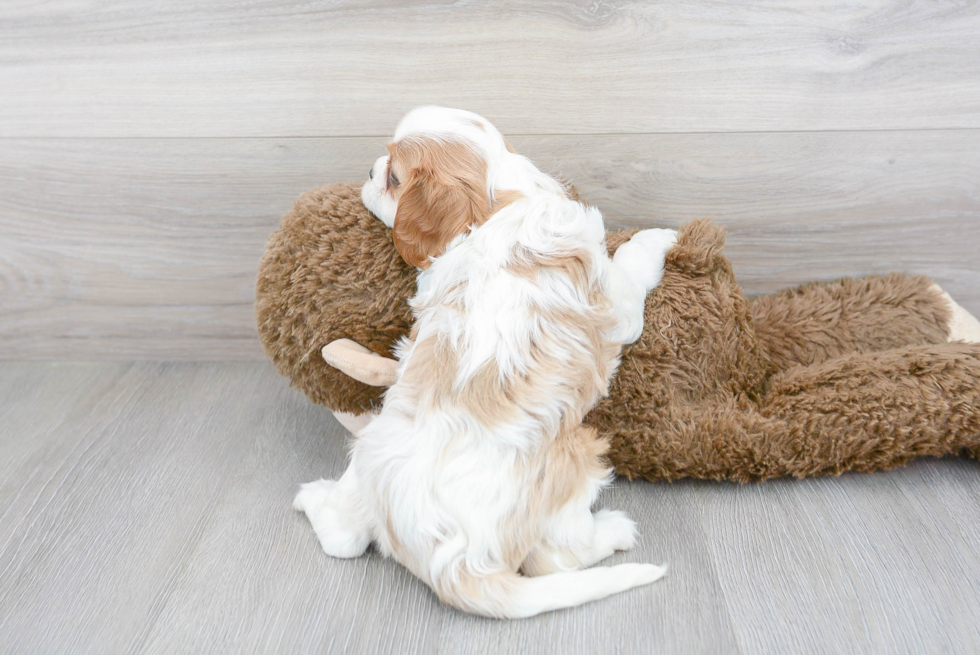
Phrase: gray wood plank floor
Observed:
(145, 508)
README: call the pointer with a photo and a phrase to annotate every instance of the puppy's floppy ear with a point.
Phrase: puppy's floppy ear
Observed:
(433, 209)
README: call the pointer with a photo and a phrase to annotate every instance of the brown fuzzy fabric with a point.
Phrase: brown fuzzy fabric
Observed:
(851, 375)
(331, 271)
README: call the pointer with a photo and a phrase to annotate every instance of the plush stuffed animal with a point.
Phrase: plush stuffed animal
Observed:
(858, 374)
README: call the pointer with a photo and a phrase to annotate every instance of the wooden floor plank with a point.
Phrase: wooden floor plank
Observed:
(295, 68)
(147, 249)
(860, 563)
(269, 587)
(108, 511)
(155, 516)
(35, 406)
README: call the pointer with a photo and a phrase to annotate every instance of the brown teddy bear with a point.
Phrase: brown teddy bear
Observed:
(850, 375)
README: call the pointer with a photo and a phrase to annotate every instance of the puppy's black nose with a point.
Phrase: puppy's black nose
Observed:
(371, 173)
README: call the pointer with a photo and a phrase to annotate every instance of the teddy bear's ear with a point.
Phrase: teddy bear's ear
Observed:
(433, 209)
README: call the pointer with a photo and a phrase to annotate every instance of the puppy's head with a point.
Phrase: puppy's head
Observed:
(439, 189)
(440, 178)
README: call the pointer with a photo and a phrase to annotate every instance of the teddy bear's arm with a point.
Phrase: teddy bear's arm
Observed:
(360, 363)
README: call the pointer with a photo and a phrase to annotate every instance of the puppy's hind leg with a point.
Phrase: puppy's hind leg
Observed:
(613, 531)
(577, 539)
(552, 581)
(339, 520)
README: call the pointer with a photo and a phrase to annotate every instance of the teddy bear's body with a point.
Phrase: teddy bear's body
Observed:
(849, 375)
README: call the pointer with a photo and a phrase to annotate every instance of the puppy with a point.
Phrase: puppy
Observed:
(477, 474)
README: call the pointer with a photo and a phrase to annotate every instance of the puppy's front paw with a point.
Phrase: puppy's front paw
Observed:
(642, 257)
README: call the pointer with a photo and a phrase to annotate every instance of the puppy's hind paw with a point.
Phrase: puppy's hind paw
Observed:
(313, 495)
(340, 528)
(615, 530)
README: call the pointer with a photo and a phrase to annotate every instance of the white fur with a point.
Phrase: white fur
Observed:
(963, 326)
(638, 266)
(440, 482)
(373, 193)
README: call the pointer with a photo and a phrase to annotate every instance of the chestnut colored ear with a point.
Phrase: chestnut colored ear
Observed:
(433, 210)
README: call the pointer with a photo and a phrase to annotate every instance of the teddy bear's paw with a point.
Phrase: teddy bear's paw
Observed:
(642, 257)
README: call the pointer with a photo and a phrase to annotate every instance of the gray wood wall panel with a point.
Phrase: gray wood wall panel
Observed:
(148, 248)
(147, 509)
(295, 68)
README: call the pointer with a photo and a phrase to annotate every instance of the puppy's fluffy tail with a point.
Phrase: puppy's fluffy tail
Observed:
(508, 595)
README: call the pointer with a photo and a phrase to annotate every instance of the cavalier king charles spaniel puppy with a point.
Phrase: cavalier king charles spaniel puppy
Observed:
(477, 474)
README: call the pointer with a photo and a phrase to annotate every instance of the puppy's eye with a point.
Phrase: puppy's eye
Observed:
(392, 180)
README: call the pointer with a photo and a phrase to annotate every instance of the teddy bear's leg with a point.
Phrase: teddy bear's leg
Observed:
(963, 326)
(637, 268)
(816, 322)
(874, 411)
(334, 508)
